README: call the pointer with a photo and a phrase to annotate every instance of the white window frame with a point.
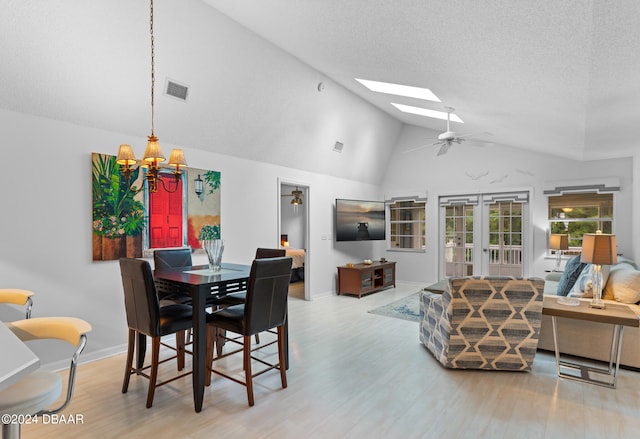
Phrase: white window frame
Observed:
(420, 224)
(608, 185)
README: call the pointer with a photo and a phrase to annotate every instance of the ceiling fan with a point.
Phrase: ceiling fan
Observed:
(296, 196)
(448, 138)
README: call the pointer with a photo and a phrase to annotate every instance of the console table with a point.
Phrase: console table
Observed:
(614, 314)
(360, 279)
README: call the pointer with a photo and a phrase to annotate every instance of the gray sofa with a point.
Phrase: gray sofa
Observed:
(591, 339)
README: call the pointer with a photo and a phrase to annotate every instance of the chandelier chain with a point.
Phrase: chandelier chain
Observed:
(153, 72)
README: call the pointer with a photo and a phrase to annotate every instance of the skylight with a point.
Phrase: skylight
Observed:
(399, 90)
(426, 112)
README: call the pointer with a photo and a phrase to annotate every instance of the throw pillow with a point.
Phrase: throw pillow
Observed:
(624, 285)
(583, 287)
(572, 270)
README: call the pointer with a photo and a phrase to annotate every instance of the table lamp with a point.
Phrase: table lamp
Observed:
(558, 242)
(598, 249)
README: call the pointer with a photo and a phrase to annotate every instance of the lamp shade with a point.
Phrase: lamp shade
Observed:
(599, 249)
(177, 158)
(558, 241)
(153, 153)
(126, 156)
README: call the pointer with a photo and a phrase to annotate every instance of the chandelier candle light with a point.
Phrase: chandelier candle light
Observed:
(153, 155)
(598, 249)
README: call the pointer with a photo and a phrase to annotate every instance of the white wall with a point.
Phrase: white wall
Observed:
(45, 230)
(506, 169)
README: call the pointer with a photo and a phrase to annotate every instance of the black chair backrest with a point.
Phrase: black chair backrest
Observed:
(173, 258)
(266, 305)
(140, 298)
(262, 253)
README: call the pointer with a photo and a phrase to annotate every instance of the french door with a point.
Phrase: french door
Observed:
(484, 234)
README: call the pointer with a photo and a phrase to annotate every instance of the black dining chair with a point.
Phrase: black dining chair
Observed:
(241, 296)
(172, 258)
(145, 316)
(264, 309)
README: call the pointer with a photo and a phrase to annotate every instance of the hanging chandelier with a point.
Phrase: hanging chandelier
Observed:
(153, 155)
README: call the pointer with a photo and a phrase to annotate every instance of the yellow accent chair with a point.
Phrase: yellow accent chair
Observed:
(16, 296)
(36, 392)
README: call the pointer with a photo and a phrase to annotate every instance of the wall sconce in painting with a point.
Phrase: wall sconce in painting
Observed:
(198, 186)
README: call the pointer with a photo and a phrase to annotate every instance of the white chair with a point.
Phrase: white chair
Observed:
(17, 296)
(36, 392)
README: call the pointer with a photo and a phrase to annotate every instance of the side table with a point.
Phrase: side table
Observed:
(614, 314)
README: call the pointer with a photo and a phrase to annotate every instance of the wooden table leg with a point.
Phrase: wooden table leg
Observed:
(199, 346)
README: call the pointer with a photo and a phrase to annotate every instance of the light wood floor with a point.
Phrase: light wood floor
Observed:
(355, 375)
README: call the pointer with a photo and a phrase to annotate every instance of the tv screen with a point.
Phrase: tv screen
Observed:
(358, 220)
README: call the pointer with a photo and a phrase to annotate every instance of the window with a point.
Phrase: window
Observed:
(580, 213)
(407, 227)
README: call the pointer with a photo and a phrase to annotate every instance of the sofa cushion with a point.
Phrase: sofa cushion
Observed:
(583, 287)
(572, 271)
(623, 284)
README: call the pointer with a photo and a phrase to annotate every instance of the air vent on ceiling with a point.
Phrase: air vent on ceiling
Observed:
(176, 90)
(338, 147)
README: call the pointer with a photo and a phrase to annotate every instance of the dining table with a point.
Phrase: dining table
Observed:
(200, 283)
(17, 359)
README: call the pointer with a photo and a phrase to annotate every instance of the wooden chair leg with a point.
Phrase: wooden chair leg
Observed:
(281, 359)
(127, 371)
(153, 376)
(210, 345)
(257, 339)
(219, 337)
(247, 368)
(142, 349)
(180, 337)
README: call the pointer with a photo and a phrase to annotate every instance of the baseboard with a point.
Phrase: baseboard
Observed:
(86, 358)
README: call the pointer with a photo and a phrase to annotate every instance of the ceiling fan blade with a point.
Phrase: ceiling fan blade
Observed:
(443, 150)
(484, 133)
(478, 142)
(420, 147)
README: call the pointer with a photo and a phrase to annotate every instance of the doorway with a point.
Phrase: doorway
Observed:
(484, 234)
(293, 233)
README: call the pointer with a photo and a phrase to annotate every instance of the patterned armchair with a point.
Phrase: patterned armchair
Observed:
(489, 322)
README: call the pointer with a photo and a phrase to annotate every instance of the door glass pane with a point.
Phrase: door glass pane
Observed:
(458, 240)
(505, 240)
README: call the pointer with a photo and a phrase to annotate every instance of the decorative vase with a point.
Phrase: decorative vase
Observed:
(214, 249)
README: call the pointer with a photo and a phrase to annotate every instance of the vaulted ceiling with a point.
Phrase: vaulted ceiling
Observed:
(558, 77)
(561, 77)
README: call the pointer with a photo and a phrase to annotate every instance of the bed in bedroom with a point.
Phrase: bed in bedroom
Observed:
(297, 267)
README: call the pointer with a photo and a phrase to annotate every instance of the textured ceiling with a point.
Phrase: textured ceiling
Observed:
(561, 77)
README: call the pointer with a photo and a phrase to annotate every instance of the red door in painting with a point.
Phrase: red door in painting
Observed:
(165, 214)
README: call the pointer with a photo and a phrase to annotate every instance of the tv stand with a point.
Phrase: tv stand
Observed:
(361, 279)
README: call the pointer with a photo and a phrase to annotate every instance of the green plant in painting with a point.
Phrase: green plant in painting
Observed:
(208, 232)
(115, 210)
(212, 179)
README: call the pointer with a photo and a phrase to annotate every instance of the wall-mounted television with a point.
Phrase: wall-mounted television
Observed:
(358, 220)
